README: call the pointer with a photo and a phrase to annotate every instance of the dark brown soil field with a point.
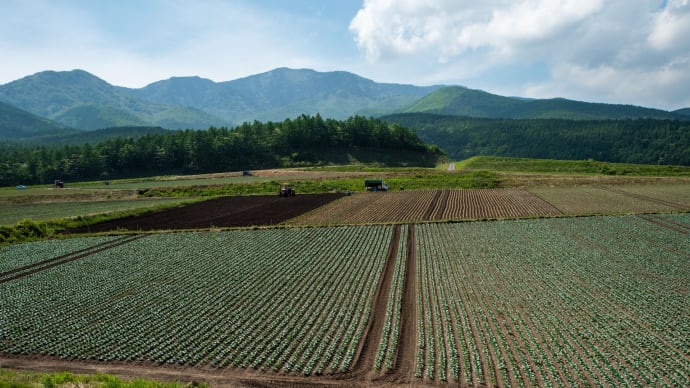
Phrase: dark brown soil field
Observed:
(218, 213)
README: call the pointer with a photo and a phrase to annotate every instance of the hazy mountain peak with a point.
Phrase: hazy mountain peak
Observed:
(64, 77)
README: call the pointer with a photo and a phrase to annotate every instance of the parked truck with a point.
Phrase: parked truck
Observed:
(375, 185)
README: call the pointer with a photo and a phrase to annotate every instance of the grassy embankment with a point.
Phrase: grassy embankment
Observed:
(555, 167)
(25, 379)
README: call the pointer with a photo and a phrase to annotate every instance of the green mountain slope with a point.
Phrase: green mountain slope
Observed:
(80, 99)
(97, 136)
(460, 101)
(83, 101)
(684, 112)
(17, 124)
(646, 141)
(91, 117)
(284, 93)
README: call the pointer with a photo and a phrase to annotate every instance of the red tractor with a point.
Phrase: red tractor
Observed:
(287, 191)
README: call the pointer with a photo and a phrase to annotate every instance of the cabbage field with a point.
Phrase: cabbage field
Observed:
(601, 301)
(594, 301)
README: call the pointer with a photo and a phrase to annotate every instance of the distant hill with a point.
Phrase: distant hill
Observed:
(97, 136)
(16, 124)
(284, 93)
(91, 117)
(645, 141)
(684, 112)
(460, 101)
(81, 100)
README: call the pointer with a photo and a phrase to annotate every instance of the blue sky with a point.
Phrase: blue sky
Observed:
(616, 51)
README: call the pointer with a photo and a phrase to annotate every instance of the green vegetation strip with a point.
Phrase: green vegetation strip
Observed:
(24, 379)
(49, 211)
(589, 167)
(419, 180)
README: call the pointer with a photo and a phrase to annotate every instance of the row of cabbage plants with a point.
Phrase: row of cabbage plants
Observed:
(288, 300)
(593, 301)
(20, 255)
(390, 337)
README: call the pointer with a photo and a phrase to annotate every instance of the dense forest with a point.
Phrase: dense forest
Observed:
(305, 140)
(642, 141)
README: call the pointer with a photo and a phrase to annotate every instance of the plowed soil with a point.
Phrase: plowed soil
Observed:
(219, 212)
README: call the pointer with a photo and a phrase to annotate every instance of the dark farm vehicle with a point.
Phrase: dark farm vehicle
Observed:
(375, 185)
(287, 191)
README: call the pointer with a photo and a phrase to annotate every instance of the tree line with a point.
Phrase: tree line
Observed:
(305, 140)
(640, 141)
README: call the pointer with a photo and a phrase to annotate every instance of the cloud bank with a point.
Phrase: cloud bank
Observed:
(609, 51)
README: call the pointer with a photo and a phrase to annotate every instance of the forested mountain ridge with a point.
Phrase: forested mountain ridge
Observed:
(302, 141)
(461, 101)
(643, 141)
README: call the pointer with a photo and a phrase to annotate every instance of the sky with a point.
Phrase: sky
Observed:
(614, 51)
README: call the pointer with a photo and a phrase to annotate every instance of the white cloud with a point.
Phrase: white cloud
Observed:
(671, 27)
(385, 29)
(664, 88)
(613, 51)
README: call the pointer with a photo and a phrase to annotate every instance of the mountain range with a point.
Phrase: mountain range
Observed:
(50, 102)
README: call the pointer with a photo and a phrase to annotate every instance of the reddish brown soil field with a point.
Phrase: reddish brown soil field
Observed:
(219, 212)
(430, 205)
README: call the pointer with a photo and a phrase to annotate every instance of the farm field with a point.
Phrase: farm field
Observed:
(437, 205)
(617, 199)
(236, 211)
(425, 205)
(49, 211)
(300, 305)
(600, 301)
(564, 302)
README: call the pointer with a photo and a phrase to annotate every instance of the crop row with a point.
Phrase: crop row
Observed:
(495, 203)
(16, 256)
(386, 354)
(294, 301)
(595, 301)
(424, 205)
(599, 301)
